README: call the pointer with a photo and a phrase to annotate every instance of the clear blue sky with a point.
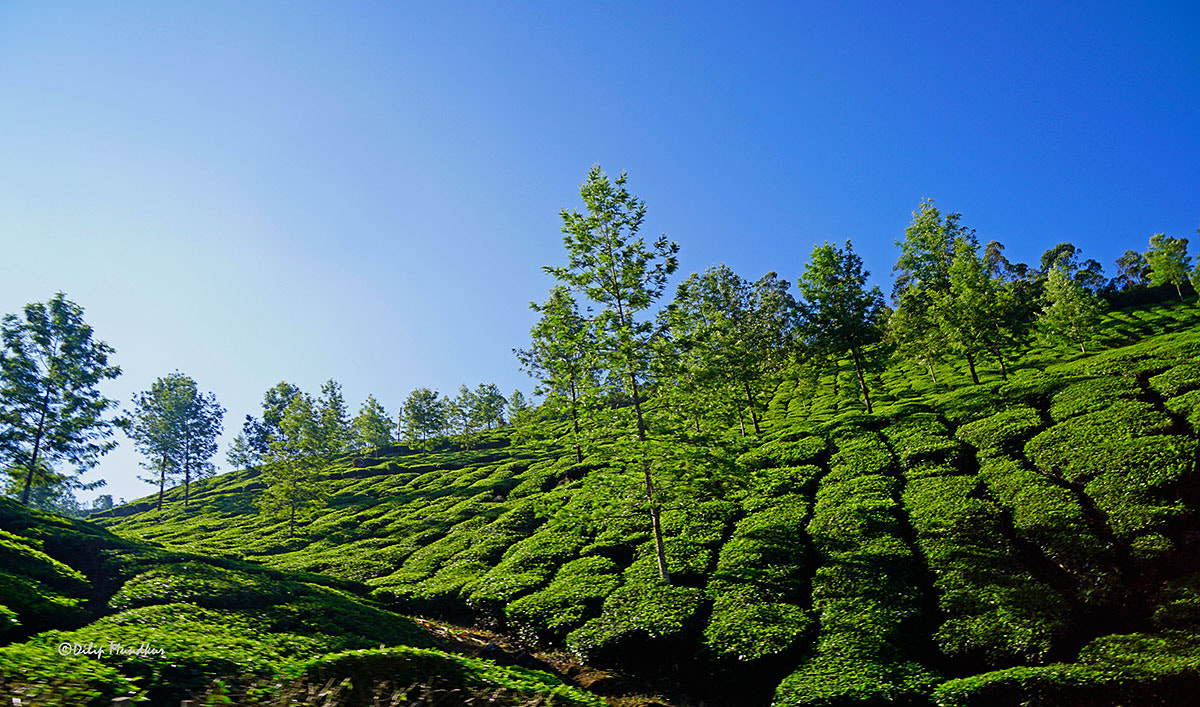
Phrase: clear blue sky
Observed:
(250, 192)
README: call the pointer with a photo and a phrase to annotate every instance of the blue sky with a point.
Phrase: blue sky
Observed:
(250, 192)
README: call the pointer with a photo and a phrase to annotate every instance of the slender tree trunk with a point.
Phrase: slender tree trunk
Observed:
(932, 375)
(655, 521)
(575, 422)
(1081, 349)
(742, 422)
(292, 522)
(1003, 369)
(971, 365)
(162, 482)
(1179, 292)
(862, 381)
(836, 375)
(753, 413)
(37, 447)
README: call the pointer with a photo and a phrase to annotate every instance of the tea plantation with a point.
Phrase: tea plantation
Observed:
(1031, 540)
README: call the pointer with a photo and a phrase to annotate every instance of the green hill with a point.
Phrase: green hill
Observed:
(1034, 540)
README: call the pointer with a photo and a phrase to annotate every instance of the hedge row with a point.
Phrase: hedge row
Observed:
(760, 584)
(1135, 670)
(1052, 518)
(995, 609)
(865, 591)
(1129, 466)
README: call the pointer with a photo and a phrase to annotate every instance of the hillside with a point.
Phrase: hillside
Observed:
(1034, 540)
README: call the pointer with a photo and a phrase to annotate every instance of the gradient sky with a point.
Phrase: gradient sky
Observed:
(250, 192)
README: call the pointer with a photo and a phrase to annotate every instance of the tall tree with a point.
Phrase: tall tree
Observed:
(462, 412)
(490, 403)
(923, 279)
(372, 427)
(558, 358)
(1069, 311)
(291, 468)
(732, 335)
(840, 314)
(333, 421)
(51, 409)
(1168, 261)
(1132, 271)
(980, 313)
(176, 428)
(609, 263)
(517, 407)
(423, 415)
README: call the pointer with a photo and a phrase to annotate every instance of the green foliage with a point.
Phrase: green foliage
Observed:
(405, 666)
(1070, 312)
(1004, 432)
(51, 409)
(372, 428)
(573, 596)
(1135, 670)
(175, 427)
(1168, 261)
(840, 314)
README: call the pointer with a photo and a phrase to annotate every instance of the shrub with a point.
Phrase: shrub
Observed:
(1092, 395)
(403, 666)
(774, 454)
(574, 595)
(1178, 380)
(636, 616)
(745, 626)
(1004, 432)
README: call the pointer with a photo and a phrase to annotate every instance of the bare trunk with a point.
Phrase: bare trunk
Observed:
(932, 375)
(862, 381)
(742, 422)
(1003, 369)
(753, 414)
(162, 482)
(971, 365)
(37, 447)
(575, 423)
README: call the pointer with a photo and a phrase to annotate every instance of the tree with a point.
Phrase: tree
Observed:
(980, 313)
(462, 413)
(923, 279)
(176, 428)
(102, 503)
(490, 403)
(558, 358)
(1069, 311)
(1088, 274)
(517, 407)
(1168, 261)
(292, 465)
(423, 415)
(613, 267)
(731, 336)
(51, 409)
(1132, 271)
(840, 315)
(372, 427)
(333, 421)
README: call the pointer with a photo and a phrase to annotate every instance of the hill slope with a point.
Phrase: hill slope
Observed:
(1031, 540)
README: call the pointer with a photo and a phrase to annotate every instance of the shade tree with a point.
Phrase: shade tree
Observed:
(175, 427)
(1168, 261)
(1069, 311)
(840, 314)
(611, 265)
(51, 410)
